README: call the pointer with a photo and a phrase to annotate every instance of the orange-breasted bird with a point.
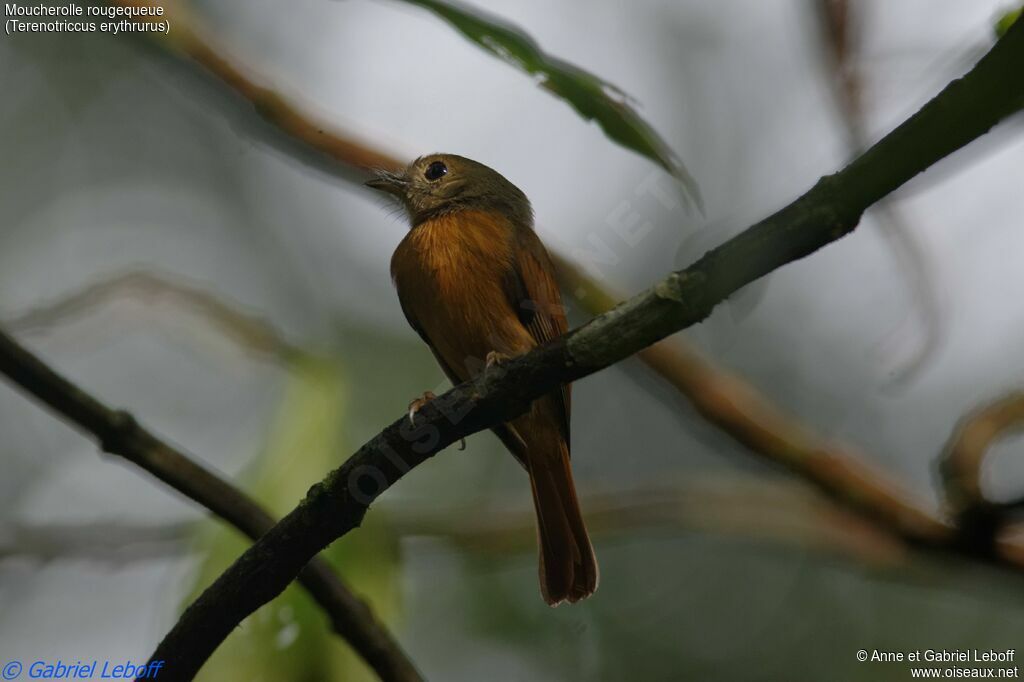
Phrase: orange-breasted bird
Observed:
(478, 286)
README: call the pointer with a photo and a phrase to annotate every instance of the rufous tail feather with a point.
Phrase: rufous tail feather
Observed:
(568, 568)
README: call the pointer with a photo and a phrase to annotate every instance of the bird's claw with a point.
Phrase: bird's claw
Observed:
(417, 404)
(493, 364)
(495, 359)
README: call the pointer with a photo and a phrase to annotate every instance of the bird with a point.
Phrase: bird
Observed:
(478, 286)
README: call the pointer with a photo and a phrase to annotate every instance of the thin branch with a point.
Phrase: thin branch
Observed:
(248, 331)
(113, 543)
(288, 126)
(978, 518)
(966, 109)
(741, 411)
(118, 433)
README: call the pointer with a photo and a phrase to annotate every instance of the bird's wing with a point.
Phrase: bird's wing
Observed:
(505, 432)
(534, 295)
(445, 367)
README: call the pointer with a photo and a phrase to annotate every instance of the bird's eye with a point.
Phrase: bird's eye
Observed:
(435, 170)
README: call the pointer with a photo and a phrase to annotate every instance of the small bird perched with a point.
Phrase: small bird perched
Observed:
(478, 286)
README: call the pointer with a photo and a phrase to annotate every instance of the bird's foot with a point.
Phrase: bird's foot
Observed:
(417, 405)
(495, 359)
(494, 364)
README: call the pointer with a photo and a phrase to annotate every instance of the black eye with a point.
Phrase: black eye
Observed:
(435, 170)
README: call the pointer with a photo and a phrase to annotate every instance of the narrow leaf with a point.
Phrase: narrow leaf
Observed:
(591, 96)
(1007, 20)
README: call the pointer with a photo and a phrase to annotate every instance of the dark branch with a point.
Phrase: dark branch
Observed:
(964, 110)
(118, 433)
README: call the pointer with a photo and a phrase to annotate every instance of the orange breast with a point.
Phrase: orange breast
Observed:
(450, 274)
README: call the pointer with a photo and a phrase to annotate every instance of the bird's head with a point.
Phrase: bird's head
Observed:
(440, 184)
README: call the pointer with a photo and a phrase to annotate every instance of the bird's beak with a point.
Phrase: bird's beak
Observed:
(387, 181)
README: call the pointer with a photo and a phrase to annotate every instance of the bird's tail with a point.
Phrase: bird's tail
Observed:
(568, 569)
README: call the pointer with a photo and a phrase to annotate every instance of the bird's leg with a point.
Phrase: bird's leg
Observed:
(417, 404)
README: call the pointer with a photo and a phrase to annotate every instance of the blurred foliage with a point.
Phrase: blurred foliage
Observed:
(1007, 20)
(290, 638)
(591, 96)
(706, 607)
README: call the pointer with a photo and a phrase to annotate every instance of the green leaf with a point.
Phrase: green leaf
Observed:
(1004, 22)
(290, 638)
(591, 96)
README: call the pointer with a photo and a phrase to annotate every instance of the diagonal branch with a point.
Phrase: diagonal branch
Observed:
(965, 109)
(118, 433)
(285, 124)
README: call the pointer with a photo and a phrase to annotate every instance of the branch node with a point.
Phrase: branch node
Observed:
(670, 288)
(121, 427)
